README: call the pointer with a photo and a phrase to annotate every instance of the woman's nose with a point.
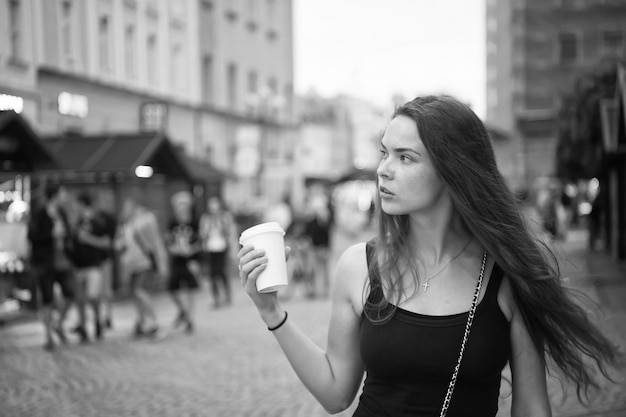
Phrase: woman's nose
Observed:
(384, 169)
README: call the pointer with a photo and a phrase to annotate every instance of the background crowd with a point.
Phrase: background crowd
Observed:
(85, 257)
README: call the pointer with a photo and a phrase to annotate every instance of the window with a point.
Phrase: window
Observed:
(612, 41)
(253, 87)
(272, 18)
(104, 43)
(67, 35)
(253, 14)
(288, 100)
(253, 82)
(274, 105)
(130, 58)
(232, 9)
(568, 48)
(15, 28)
(152, 59)
(176, 72)
(571, 4)
(206, 23)
(207, 79)
(231, 73)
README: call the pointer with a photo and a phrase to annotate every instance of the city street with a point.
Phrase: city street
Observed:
(231, 365)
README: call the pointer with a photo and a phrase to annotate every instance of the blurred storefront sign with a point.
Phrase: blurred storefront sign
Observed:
(153, 117)
(75, 105)
(10, 102)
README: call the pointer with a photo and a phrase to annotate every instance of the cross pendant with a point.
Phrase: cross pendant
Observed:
(426, 285)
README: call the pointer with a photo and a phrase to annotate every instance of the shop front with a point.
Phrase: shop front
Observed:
(22, 155)
(146, 166)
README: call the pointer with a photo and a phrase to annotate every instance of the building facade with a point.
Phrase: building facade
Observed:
(336, 136)
(535, 51)
(199, 71)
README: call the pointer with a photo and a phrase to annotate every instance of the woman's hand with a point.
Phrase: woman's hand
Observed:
(252, 262)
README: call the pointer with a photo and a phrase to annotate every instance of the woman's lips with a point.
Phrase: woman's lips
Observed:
(384, 192)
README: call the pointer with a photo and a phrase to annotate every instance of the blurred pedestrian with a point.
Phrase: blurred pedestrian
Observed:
(143, 258)
(217, 229)
(48, 233)
(451, 238)
(318, 224)
(91, 244)
(108, 224)
(183, 244)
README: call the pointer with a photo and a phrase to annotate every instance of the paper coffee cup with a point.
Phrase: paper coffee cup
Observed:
(269, 237)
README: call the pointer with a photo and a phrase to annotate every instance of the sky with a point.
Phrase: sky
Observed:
(374, 49)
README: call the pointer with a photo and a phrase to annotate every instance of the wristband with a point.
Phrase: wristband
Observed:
(279, 325)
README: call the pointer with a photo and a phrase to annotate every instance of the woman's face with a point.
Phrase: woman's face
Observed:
(407, 180)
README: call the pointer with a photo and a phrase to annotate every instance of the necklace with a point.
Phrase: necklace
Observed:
(426, 283)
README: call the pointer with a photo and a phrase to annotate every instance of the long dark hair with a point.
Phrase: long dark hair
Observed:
(460, 150)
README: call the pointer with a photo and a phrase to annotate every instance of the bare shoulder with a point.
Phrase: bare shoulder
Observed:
(350, 275)
(506, 301)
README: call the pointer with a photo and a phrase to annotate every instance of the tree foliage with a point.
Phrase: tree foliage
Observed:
(579, 150)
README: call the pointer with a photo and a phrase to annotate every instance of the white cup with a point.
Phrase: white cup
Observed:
(269, 237)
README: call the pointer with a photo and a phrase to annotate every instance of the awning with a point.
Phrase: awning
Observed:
(21, 149)
(118, 154)
(202, 171)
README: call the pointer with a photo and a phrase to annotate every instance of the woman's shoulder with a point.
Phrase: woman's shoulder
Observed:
(506, 301)
(354, 256)
(351, 272)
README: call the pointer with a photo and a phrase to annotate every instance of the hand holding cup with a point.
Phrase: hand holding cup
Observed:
(262, 263)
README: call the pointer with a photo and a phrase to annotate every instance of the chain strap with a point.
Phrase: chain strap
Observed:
(468, 326)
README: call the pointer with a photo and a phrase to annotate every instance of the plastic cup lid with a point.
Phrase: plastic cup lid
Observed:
(261, 228)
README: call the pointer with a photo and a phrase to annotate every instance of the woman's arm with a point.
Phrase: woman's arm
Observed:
(332, 376)
(530, 392)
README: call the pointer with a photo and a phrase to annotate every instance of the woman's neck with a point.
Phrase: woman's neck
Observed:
(438, 234)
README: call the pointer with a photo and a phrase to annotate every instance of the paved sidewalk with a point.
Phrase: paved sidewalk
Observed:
(232, 366)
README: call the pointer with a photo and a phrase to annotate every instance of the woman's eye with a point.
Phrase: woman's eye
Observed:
(405, 158)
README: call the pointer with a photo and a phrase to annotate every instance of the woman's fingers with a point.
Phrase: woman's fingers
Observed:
(251, 263)
(247, 253)
(244, 250)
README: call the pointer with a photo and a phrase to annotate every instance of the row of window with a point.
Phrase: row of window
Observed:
(255, 96)
(15, 30)
(259, 98)
(561, 4)
(569, 46)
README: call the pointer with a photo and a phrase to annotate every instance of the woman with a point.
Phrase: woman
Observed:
(216, 231)
(403, 306)
(182, 243)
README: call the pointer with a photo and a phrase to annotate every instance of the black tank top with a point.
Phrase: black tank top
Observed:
(409, 359)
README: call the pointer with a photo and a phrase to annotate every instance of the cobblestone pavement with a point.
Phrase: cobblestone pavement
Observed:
(231, 365)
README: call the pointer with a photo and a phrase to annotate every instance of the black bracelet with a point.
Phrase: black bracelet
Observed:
(278, 326)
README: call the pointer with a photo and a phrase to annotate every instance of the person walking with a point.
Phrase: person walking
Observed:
(48, 233)
(183, 244)
(108, 225)
(216, 233)
(91, 243)
(142, 256)
(453, 287)
(318, 228)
